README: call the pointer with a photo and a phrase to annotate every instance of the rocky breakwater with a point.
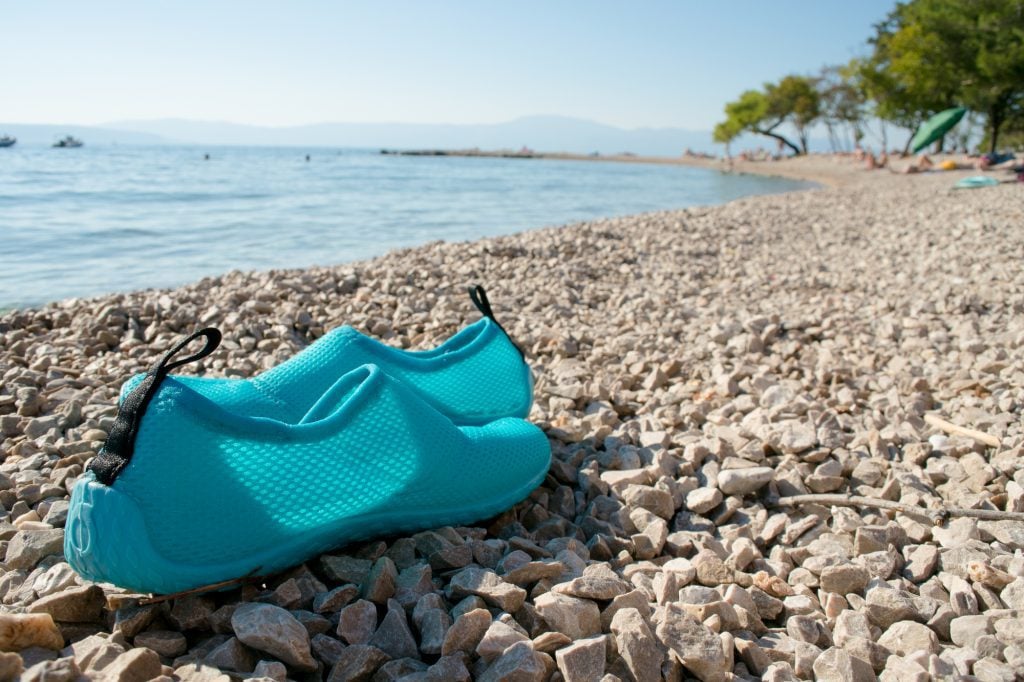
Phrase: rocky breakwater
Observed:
(695, 369)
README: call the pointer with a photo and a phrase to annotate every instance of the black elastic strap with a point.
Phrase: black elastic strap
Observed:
(479, 297)
(120, 445)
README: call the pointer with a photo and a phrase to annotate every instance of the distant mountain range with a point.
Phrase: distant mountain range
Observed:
(541, 133)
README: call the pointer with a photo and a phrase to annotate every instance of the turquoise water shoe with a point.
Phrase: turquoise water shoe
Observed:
(474, 377)
(186, 493)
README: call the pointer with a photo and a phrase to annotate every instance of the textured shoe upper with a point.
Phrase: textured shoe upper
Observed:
(211, 483)
(475, 377)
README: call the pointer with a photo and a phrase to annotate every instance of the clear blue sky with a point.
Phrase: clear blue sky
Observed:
(660, 63)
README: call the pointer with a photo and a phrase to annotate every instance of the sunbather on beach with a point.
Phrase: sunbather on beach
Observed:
(923, 163)
(995, 160)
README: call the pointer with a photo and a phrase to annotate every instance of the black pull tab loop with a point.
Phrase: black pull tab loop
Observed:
(213, 338)
(120, 446)
(479, 298)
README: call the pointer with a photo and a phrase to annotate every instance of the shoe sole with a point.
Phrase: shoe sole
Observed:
(106, 539)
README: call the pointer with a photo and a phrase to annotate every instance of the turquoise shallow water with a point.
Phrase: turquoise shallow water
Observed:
(82, 222)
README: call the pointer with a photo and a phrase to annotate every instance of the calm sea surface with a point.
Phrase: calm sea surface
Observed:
(81, 222)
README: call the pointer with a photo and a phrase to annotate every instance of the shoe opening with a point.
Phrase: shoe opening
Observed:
(343, 390)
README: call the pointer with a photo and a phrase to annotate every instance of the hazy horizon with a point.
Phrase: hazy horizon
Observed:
(548, 133)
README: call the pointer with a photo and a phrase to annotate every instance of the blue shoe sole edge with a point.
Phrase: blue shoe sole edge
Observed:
(106, 540)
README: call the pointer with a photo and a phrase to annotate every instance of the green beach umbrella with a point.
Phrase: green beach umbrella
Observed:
(935, 127)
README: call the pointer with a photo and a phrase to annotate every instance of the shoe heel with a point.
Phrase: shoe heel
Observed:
(104, 539)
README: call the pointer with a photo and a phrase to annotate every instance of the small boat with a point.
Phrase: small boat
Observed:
(7, 141)
(68, 142)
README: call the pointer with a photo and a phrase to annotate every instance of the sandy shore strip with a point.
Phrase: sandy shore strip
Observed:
(834, 170)
(696, 370)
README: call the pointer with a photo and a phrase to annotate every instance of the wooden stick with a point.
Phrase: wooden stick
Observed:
(936, 515)
(952, 428)
(200, 590)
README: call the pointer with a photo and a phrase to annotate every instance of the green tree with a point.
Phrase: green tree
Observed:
(843, 103)
(793, 100)
(930, 55)
(996, 84)
(725, 133)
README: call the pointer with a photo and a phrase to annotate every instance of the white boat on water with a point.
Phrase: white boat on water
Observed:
(68, 142)
(7, 141)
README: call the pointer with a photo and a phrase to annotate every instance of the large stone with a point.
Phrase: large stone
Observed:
(335, 600)
(357, 663)
(165, 642)
(899, 669)
(993, 670)
(907, 637)
(636, 645)
(466, 632)
(520, 663)
(449, 669)
(582, 661)
(27, 547)
(711, 570)
(326, 649)
(191, 612)
(94, 652)
(270, 628)
(744, 481)
(130, 619)
(232, 655)
(21, 630)
(703, 500)
(413, 582)
(379, 585)
(1013, 594)
(489, 586)
(75, 605)
(11, 666)
(58, 577)
(597, 582)
(345, 569)
(499, 637)
(634, 599)
(573, 617)
(963, 631)
(653, 500)
(887, 606)
(836, 665)
(357, 622)
(844, 579)
(393, 637)
(698, 648)
(55, 670)
(134, 665)
(433, 625)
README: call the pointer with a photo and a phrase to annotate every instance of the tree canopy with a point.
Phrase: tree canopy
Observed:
(931, 55)
(925, 56)
(792, 100)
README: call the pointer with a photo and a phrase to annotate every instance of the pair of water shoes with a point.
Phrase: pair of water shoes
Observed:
(205, 480)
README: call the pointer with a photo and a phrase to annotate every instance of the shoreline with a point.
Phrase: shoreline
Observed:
(691, 366)
(825, 169)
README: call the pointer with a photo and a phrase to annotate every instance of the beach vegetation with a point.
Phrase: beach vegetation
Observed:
(930, 55)
(843, 105)
(924, 57)
(794, 100)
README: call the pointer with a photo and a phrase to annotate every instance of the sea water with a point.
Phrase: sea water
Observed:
(93, 220)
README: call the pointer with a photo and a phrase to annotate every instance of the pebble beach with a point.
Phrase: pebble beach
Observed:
(696, 371)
